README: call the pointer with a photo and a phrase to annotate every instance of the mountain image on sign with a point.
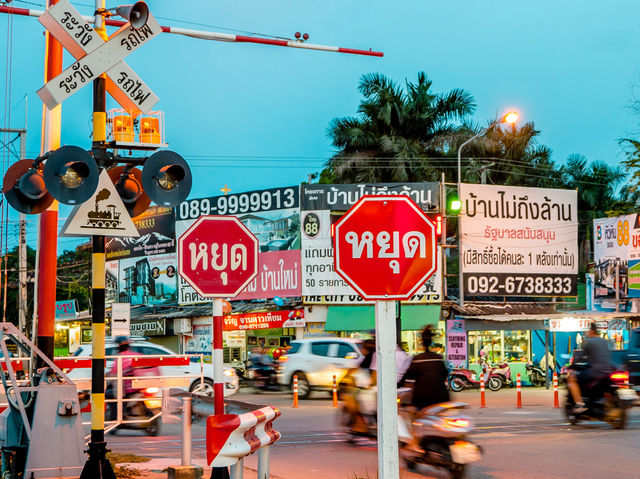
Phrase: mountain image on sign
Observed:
(108, 218)
(103, 214)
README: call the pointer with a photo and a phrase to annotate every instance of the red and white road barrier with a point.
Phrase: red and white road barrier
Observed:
(221, 37)
(519, 390)
(483, 402)
(335, 392)
(231, 437)
(218, 360)
(295, 390)
(556, 399)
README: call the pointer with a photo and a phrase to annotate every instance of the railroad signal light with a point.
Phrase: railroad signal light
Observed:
(25, 189)
(166, 178)
(128, 183)
(455, 205)
(150, 130)
(123, 128)
(71, 175)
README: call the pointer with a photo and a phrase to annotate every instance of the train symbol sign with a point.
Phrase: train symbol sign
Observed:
(95, 56)
(103, 214)
(385, 247)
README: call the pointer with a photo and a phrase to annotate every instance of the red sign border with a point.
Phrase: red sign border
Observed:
(336, 247)
(216, 218)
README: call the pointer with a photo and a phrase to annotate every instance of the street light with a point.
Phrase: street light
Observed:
(511, 117)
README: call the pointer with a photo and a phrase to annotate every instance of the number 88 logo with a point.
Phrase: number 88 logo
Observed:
(623, 233)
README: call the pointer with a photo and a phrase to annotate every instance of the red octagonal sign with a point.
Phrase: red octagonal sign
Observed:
(385, 247)
(218, 256)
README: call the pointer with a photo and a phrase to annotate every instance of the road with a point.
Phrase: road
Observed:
(534, 441)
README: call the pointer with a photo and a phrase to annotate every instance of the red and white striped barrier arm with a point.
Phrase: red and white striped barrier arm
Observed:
(230, 437)
(221, 37)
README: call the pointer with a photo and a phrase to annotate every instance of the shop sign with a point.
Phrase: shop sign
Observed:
(316, 330)
(456, 344)
(66, 309)
(157, 236)
(200, 341)
(273, 216)
(120, 319)
(234, 339)
(570, 325)
(265, 320)
(322, 285)
(519, 241)
(148, 327)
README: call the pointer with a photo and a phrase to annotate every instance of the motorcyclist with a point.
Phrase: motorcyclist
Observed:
(429, 374)
(598, 358)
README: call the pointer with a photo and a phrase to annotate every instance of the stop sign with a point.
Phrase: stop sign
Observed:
(218, 256)
(385, 247)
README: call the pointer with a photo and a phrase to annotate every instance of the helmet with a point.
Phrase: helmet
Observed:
(122, 342)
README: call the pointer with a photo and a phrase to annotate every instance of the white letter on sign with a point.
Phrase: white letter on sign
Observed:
(358, 247)
(201, 256)
(412, 241)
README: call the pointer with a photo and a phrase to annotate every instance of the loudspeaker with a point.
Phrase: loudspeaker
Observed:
(24, 188)
(129, 187)
(166, 178)
(71, 175)
(136, 14)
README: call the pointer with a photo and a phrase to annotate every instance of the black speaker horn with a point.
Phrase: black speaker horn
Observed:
(24, 188)
(129, 186)
(71, 175)
(136, 14)
(166, 178)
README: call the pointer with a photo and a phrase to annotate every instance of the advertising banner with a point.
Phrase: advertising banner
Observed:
(273, 216)
(519, 241)
(157, 236)
(616, 245)
(322, 285)
(200, 342)
(456, 344)
(148, 280)
(148, 327)
(66, 309)
(111, 282)
(265, 320)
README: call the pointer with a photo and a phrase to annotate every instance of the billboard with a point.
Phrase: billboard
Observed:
(148, 280)
(157, 236)
(519, 241)
(273, 216)
(323, 205)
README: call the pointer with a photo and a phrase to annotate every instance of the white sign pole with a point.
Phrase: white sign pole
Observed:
(388, 459)
(217, 357)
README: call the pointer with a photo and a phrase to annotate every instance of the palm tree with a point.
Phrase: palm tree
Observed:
(396, 131)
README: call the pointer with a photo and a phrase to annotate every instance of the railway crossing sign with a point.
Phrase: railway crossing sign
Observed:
(103, 214)
(95, 56)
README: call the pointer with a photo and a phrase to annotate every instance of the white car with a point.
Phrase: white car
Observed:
(144, 347)
(315, 362)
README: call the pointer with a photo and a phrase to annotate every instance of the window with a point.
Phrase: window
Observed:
(295, 347)
(320, 348)
(346, 351)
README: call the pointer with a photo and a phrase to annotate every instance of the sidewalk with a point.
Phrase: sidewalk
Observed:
(157, 469)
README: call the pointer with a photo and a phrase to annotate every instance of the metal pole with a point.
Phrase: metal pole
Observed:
(263, 462)
(546, 359)
(48, 227)
(235, 471)
(443, 240)
(217, 358)
(22, 252)
(186, 431)
(388, 467)
(97, 465)
(617, 285)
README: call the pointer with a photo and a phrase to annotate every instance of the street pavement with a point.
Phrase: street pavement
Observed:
(534, 441)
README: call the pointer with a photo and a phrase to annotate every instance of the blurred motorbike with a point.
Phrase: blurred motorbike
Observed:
(262, 373)
(143, 406)
(536, 374)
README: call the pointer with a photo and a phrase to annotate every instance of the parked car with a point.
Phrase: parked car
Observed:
(145, 347)
(315, 361)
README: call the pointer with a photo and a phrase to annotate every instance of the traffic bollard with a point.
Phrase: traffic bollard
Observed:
(295, 390)
(186, 431)
(519, 390)
(335, 392)
(556, 399)
(483, 403)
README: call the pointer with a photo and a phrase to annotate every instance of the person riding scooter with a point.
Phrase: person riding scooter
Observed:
(598, 358)
(429, 374)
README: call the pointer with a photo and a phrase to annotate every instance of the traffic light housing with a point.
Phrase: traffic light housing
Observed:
(25, 189)
(128, 183)
(71, 175)
(166, 178)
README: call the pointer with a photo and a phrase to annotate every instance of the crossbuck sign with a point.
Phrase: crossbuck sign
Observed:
(95, 57)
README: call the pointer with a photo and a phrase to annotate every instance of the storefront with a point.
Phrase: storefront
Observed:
(359, 322)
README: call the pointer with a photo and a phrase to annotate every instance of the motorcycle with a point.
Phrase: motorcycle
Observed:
(606, 399)
(460, 379)
(145, 410)
(434, 436)
(262, 375)
(503, 372)
(536, 374)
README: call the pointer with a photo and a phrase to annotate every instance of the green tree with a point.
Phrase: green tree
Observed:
(11, 280)
(399, 133)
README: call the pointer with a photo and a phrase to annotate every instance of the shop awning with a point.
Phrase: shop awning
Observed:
(362, 318)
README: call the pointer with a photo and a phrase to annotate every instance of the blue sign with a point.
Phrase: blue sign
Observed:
(66, 309)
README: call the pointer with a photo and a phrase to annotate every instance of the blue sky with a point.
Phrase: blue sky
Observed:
(569, 66)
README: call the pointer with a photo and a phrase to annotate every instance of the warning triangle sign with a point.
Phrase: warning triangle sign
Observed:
(103, 214)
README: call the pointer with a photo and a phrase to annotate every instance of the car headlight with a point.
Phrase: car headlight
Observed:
(228, 372)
